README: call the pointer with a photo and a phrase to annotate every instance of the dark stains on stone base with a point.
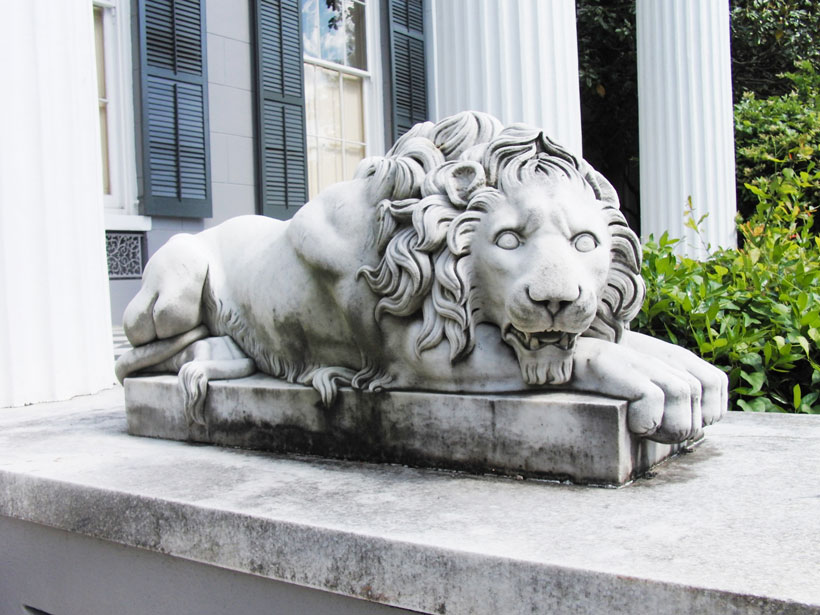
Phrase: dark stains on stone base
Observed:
(554, 436)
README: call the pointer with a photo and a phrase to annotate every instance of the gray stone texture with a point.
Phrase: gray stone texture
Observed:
(39, 570)
(575, 436)
(729, 528)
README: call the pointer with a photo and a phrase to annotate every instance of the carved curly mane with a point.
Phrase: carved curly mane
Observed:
(426, 225)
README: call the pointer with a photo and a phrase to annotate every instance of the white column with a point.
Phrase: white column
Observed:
(517, 60)
(686, 127)
(55, 325)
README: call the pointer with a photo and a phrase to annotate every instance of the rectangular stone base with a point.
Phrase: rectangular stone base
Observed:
(554, 435)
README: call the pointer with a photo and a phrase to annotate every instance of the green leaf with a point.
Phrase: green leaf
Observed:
(797, 397)
(802, 302)
(712, 312)
(754, 190)
(804, 344)
(809, 318)
(767, 352)
(756, 379)
(756, 405)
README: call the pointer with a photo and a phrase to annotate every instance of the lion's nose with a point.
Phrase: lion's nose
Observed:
(554, 302)
(553, 307)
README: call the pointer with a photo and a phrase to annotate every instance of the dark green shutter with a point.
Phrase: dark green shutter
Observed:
(407, 69)
(280, 107)
(175, 156)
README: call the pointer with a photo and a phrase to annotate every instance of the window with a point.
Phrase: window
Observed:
(322, 100)
(338, 88)
(102, 97)
(175, 165)
(112, 43)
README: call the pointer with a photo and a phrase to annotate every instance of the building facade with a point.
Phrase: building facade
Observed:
(209, 109)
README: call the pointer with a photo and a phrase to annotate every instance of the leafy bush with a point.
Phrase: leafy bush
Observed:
(768, 37)
(753, 312)
(777, 133)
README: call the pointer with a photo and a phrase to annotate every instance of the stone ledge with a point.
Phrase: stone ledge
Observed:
(555, 435)
(729, 528)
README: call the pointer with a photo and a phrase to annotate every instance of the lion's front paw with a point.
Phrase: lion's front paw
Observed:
(669, 400)
(668, 405)
(712, 382)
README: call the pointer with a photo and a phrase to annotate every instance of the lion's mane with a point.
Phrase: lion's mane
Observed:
(433, 188)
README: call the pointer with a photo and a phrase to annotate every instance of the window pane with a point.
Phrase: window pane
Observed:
(353, 113)
(106, 172)
(328, 103)
(330, 163)
(99, 49)
(313, 168)
(332, 31)
(310, 99)
(356, 46)
(353, 156)
(310, 28)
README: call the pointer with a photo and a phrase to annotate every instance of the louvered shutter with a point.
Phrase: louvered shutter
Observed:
(175, 161)
(407, 69)
(280, 107)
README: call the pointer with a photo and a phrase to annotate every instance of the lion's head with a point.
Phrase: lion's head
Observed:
(477, 223)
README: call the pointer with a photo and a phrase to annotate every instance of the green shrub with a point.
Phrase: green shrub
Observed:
(768, 37)
(753, 312)
(777, 133)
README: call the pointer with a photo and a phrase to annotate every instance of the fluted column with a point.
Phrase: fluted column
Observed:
(517, 60)
(55, 324)
(686, 128)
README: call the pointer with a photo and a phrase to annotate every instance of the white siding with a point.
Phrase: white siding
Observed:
(231, 110)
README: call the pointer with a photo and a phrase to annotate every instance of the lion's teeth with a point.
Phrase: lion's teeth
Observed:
(567, 341)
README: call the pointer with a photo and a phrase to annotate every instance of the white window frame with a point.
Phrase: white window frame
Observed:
(121, 206)
(374, 86)
(372, 82)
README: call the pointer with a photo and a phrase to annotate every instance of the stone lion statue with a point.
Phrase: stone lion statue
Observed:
(472, 257)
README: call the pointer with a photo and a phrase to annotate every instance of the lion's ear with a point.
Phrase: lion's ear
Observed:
(458, 179)
(462, 180)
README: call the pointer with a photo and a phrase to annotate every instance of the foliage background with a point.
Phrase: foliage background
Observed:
(755, 311)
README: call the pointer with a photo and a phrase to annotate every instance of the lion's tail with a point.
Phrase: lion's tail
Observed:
(156, 352)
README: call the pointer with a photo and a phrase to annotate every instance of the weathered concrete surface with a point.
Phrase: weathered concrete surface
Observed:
(556, 435)
(730, 528)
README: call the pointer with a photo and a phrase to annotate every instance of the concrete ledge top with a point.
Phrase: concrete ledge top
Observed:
(733, 527)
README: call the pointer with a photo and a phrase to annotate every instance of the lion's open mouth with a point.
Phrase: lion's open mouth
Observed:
(539, 339)
(545, 357)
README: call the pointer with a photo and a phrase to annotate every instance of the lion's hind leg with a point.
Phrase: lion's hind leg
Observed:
(196, 358)
(170, 300)
(150, 356)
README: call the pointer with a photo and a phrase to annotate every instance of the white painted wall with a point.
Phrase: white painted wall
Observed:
(55, 326)
(686, 125)
(516, 59)
(230, 101)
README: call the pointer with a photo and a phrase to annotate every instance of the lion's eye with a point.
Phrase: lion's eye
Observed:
(508, 240)
(585, 242)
